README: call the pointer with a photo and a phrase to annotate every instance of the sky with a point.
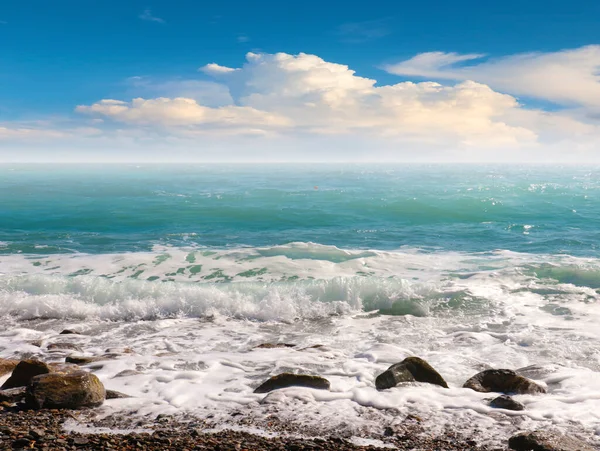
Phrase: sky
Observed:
(238, 81)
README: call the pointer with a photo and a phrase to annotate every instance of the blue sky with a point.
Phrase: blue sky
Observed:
(56, 56)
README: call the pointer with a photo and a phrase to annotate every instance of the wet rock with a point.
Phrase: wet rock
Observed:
(64, 346)
(506, 402)
(411, 369)
(81, 360)
(503, 381)
(293, 380)
(112, 394)
(274, 345)
(59, 367)
(7, 366)
(547, 441)
(24, 372)
(69, 332)
(65, 391)
(12, 395)
(126, 373)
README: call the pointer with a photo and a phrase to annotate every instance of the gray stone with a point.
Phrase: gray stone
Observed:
(547, 441)
(411, 369)
(12, 395)
(112, 394)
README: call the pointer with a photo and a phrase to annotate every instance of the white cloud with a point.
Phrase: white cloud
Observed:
(180, 111)
(147, 15)
(301, 107)
(568, 77)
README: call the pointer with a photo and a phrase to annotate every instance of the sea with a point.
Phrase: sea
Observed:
(179, 272)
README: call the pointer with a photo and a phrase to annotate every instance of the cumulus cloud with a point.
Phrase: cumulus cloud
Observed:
(285, 93)
(568, 77)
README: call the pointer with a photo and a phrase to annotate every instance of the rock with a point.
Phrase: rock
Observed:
(411, 369)
(293, 380)
(59, 367)
(274, 345)
(69, 332)
(81, 360)
(12, 395)
(126, 373)
(7, 366)
(112, 394)
(24, 372)
(65, 391)
(506, 402)
(503, 381)
(64, 346)
(547, 441)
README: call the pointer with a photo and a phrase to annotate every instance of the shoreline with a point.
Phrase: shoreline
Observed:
(45, 430)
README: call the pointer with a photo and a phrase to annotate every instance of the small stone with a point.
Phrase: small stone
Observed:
(12, 395)
(68, 332)
(293, 380)
(21, 443)
(411, 369)
(503, 381)
(274, 345)
(506, 402)
(112, 394)
(126, 373)
(64, 346)
(547, 441)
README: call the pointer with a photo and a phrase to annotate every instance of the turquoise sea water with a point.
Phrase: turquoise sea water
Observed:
(47, 209)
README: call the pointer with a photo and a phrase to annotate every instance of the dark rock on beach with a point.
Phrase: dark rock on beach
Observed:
(411, 369)
(81, 360)
(503, 381)
(24, 372)
(65, 391)
(547, 441)
(293, 380)
(506, 402)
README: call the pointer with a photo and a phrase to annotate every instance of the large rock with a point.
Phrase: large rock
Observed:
(411, 369)
(65, 391)
(7, 366)
(503, 381)
(293, 380)
(547, 441)
(24, 372)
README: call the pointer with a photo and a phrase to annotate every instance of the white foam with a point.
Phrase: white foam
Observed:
(194, 343)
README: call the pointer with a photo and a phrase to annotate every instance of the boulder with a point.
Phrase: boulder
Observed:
(24, 372)
(65, 391)
(506, 402)
(7, 366)
(12, 395)
(547, 441)
(411, 369)
(293, 380)
(503, 381)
